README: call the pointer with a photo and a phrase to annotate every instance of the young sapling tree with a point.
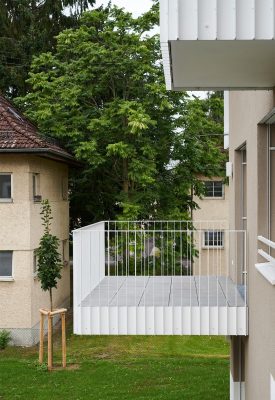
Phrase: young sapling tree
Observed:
(48, 257)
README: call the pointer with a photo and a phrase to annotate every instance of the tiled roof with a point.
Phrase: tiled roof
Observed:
(18, 133)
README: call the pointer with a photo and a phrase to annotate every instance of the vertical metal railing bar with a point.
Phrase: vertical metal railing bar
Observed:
(108, 246)
(200, 266)
(121, 259)
(208, 261)
(181, 264)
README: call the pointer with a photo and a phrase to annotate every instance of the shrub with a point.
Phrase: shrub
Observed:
(5, 338)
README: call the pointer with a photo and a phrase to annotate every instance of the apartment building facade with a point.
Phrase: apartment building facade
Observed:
(31, 169)
(229, 45)
(212, 219)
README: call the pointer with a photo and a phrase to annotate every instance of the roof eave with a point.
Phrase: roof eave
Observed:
(47, 153)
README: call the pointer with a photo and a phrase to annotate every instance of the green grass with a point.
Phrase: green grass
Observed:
(120, 368)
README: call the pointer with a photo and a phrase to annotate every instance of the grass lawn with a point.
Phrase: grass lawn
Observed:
(118, 368)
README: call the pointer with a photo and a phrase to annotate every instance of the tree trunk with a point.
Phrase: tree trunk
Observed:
(51, 299)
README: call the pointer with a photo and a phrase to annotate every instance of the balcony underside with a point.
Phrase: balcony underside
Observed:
(222, 64)
(178, 305)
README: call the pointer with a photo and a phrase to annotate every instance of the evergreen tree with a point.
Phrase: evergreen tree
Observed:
(28, 28)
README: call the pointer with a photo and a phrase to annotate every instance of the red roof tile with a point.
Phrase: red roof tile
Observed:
(18, 133)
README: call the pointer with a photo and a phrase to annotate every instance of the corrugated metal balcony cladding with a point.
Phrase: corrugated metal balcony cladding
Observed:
(218, 44)
(218, 19)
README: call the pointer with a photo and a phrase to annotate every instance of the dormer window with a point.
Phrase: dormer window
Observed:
(5, 187)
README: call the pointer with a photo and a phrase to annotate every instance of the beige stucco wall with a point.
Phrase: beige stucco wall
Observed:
(212, 213)
(246, 110)
(21, 230)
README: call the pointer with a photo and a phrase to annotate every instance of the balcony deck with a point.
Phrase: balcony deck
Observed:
(166, 291)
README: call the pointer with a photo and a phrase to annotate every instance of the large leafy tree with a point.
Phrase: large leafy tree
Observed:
(102, 94)
(28, 28)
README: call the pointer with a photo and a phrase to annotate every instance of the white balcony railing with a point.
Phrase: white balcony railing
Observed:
(160, 277)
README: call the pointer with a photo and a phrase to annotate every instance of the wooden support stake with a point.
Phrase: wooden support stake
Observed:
(50, 336)
(41, 346)
(63, 340)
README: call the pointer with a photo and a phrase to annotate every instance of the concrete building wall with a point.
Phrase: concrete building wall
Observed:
(246, 110)
(213, 213)
(20, 232)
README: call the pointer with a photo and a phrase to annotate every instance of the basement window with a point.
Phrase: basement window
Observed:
(213, 239)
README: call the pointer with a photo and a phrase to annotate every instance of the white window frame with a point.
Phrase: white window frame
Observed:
(212, 247)
(10, 200)
(10, 277)
(215, 197)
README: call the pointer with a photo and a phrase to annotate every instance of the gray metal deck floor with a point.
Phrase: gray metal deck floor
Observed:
(166, 291)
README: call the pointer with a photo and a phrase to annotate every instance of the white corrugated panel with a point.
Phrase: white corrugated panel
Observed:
(223, 321)
(245, 24)
(177, 320)
(226, 16)
(186, 320)
(195, 321)
(241, 321)
(77, 282)
(216, 19)
(113, 324)
(159, 321)
(264, 12)
(204, 320)
(95, 320)
(168, 320)
(150, 320)
(132, 320)
(207, 20)
(122, 321)
(214, 321)
(188, 24)
(163, 321)
(174, 16)
(141, 330)
(232, 321)
(104, 321)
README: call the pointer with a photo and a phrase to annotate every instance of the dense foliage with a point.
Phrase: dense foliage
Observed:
(102, 94)
(28, 28)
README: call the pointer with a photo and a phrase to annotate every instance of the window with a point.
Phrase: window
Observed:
(213, 188)
(5, 187)
(213, 239)
(36, 187)
(5, 264)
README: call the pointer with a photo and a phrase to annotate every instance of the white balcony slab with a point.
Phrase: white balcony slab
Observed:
(180, 305)
(218, 44)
